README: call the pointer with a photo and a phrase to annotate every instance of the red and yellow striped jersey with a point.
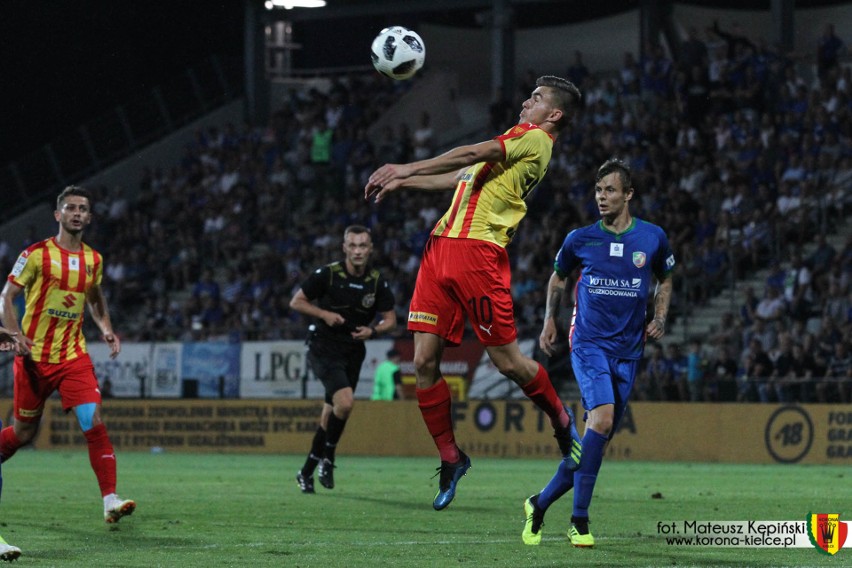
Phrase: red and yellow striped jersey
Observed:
(55, 282)
(489, 201)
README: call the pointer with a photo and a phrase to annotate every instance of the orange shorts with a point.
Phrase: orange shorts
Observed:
(461, 277)
(35, 382)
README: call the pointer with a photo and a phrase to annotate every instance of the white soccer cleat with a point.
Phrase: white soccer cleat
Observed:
(115, 508)
(8, 553)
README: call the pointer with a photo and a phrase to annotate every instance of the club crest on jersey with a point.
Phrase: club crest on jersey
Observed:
(639, 259)
(616, 249)
(368, 301)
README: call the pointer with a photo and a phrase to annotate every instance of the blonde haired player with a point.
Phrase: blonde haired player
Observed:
(60, 276)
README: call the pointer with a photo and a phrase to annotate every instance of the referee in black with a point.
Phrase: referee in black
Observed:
(345, 298)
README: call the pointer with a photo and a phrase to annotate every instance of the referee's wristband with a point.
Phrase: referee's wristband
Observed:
(373, 333)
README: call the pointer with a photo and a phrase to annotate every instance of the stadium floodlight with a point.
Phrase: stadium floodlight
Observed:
(290, 4)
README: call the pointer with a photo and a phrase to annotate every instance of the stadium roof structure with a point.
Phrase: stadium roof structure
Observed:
(526, 13)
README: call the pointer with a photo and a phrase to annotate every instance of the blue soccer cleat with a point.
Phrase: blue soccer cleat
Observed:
(570, 443)
(450, 475)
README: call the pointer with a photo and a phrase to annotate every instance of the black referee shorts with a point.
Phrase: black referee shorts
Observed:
(337, 371)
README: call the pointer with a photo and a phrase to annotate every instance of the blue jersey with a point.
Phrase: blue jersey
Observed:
(616, 278)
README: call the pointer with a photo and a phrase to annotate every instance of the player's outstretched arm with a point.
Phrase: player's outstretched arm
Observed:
(439, 182)
(451, 161)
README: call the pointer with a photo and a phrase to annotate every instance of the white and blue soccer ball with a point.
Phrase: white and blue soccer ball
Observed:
(398, 52)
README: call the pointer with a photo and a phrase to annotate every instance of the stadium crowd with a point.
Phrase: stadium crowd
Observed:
(740, 155)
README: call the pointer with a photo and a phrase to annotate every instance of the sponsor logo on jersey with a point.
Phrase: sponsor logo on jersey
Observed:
(593, 244)
(20, 264)
(613, 282)
(639, 259)
(26, 413)
(368, 300)
(62, 314)
(423, 317)
(614, 286)
(74, 263)
(670, 262)
(616, 249)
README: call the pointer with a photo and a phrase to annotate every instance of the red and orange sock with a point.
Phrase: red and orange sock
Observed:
(435, 406)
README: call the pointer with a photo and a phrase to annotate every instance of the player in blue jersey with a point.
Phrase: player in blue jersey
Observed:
(619, 257)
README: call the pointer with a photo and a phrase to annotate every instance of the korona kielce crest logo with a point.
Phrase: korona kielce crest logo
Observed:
(827, 532)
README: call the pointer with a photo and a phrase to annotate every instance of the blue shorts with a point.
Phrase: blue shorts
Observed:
(604, 379)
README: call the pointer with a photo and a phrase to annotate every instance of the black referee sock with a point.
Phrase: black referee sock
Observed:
(317, 450)
(333, 434)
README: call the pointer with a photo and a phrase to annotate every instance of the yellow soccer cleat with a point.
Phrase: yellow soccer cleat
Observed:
(580, 535)
(533, 522)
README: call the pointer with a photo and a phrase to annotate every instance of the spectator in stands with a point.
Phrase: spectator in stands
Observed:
(798, 292)
(772, 307)
(722, 376)
(424, 138)
(674, 390)
(694, 376)
(577, 72)
(758, 369)
(804, 371)
(777, 387)
(829, 49)
(838, 381)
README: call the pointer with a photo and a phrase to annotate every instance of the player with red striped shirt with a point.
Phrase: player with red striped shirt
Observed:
(59, 277)
(465, 273)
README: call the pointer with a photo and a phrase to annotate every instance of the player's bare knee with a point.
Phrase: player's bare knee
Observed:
(426, 368)
(601, 422)
(512, 369)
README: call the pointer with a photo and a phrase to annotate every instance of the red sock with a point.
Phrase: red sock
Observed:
(435, 403)
(102, 458)
(9, 443)
(541, 392)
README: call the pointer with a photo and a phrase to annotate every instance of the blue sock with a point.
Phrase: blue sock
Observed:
(562, 482)
(587, 475)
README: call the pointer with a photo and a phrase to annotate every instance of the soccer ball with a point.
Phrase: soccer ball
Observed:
(398, 52)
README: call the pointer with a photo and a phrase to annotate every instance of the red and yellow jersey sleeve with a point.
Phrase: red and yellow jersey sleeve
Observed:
(56, 283)
(489, 201)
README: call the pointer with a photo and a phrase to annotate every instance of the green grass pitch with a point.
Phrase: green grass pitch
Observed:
(245, 510)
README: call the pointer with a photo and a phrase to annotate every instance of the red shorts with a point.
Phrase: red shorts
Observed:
(460, 277)
(35, 382)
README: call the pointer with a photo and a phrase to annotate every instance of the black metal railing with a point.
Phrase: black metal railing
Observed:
(114, 135)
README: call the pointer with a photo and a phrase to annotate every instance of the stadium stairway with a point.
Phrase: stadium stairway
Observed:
(703, 321)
